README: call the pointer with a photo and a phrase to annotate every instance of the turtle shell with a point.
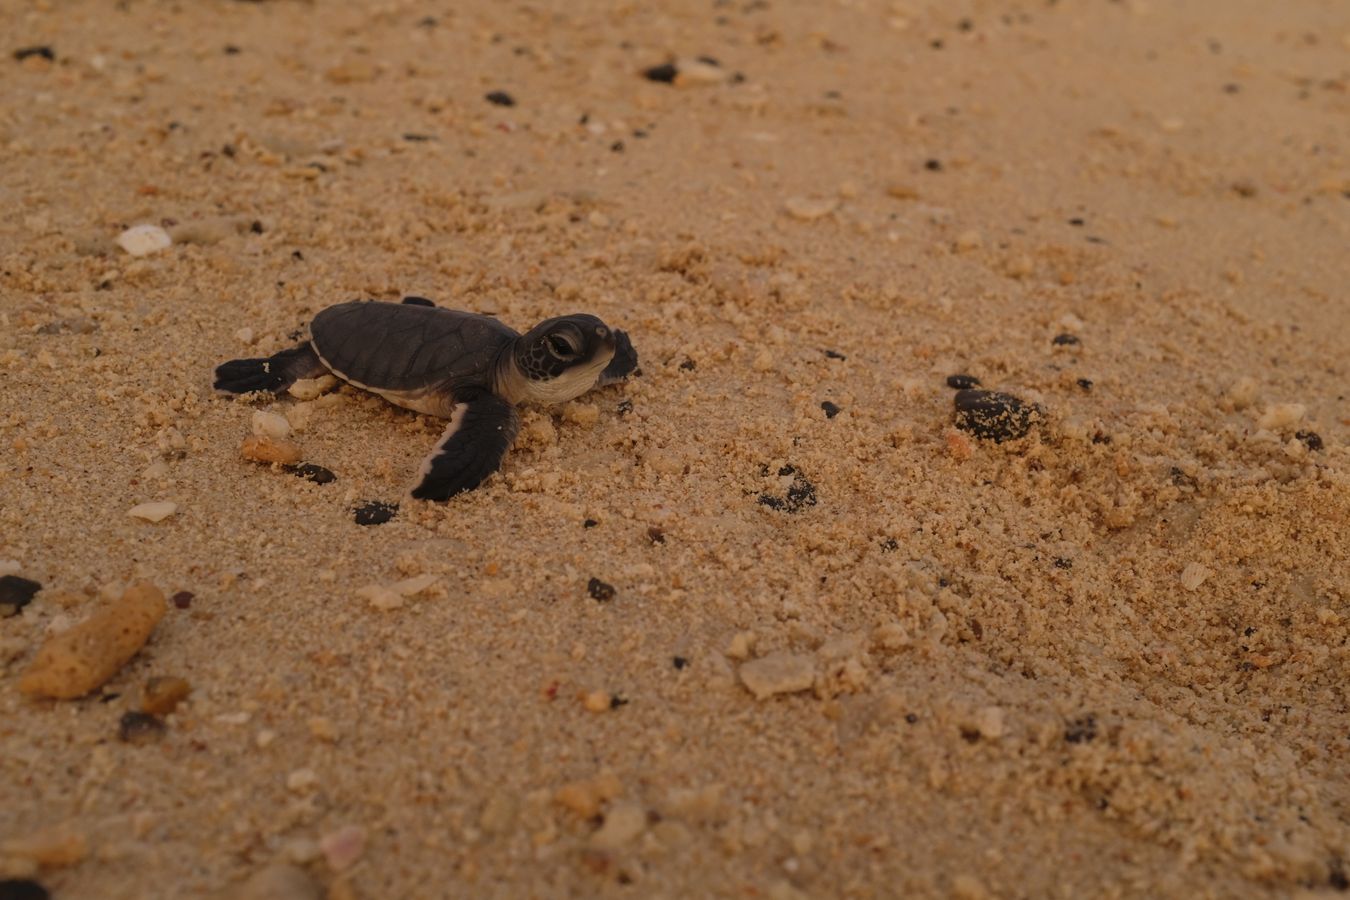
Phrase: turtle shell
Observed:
(404, 347)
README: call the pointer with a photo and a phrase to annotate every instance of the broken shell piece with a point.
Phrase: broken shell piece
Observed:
(156, 511)
(142, 240)
(267, 450)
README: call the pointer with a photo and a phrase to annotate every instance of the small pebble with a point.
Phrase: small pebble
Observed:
(270, 450)
(375, 512)
(311, 472)
(994, 416)
(16, 593)
(600, 590)
(1282, 415)
(962, 382)
(163, 693)
(22, 889)
(139, 728)
(500, 98)
(778, 673)
(270, 425)
(623, 822)
(989, 722)
(664, 73)
(933, 165)
(156, 511)
(183, 599)
(831, 410)
(598, 701)
(808, 209)
(1311, 439)
(1085, 383)
(142, 240)
(40, 50)
(1065, 340)
(380, 597)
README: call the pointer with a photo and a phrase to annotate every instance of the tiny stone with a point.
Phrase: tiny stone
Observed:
(962, 382)
(500, 98)
(989, 722)
(163, 693)
(831, 410)
(1065, 340)
(1311, 439)
(623, 822)
(183, 599)
(271, 450)
(664, 73)
(599, 590)
(597, 701)
(589, 523)
(16, 593)
(778, 673)
(139, 728)
(41, 50)
(142, 240)
(244, 335)
(1085, 383)
(382, 598)
(1282, 415)
(994, 416)
(302, 781)
(310, 388)
(656, 535)
(156, 511)
(679, 662)
(316, 474)
(270, 425)
(834, 354)
(375, 512)
(933, 165)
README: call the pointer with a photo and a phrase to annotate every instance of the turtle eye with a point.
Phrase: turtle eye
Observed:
(561, 345)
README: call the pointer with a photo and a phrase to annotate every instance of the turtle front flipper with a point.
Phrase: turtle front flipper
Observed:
(482, 427)
(624, 362)
(275, 373)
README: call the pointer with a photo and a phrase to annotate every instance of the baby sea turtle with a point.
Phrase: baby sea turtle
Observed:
(461, 366)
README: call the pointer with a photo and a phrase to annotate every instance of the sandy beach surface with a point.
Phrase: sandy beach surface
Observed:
(760, 622)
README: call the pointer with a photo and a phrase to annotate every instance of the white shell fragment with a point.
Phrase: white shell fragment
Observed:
(809, 209)
(1194, 575)
(156, 511)
(778, 673)
(270, 424)
(142, 240)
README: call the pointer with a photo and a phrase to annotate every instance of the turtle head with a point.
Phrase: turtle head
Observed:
(562, 358)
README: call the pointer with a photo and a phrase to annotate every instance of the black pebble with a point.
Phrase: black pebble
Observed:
(316, 474)
(688, 365)
(139, 728)
(800, 494)
(589, 523)
(1077, 223)
(1064, 340)
(256, 227)
(911, 718)
(500, 98)
(183, 599)
(962, 382)
(231, 50)
(664, 73)
(933, 165)
(375, 513)
(834, 354)
(679, 662)
(1085, 383)
(831, 410)
(22, 889)
(1081, 730)
(994, 416)
(890, 545)
(616, 147)
(1311, 439)
(616, 701)
(43, 51)
(1062, 563)
(16, 593)
(600, 590)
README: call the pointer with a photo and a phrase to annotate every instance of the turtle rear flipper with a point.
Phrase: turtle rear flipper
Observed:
(275, 373)
(480, 432)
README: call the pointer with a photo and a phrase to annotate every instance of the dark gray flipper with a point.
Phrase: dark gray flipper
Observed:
(275, 373)
(624, 362)
(480, 432)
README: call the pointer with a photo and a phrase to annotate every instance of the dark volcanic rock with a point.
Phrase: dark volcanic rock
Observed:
(16, 593)
(375, 513)
(994, 416)
(962, 382)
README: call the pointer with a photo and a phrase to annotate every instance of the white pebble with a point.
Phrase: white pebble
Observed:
(989, 722)
(244, 335)
(1194, 575)
(310, 388)
(142, 240)
(269, 424)
(156, 511)
(808, 209)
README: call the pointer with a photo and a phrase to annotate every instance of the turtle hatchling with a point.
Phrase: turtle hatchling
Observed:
(468, 368)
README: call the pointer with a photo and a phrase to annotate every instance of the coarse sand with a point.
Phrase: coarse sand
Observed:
(759, 622)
